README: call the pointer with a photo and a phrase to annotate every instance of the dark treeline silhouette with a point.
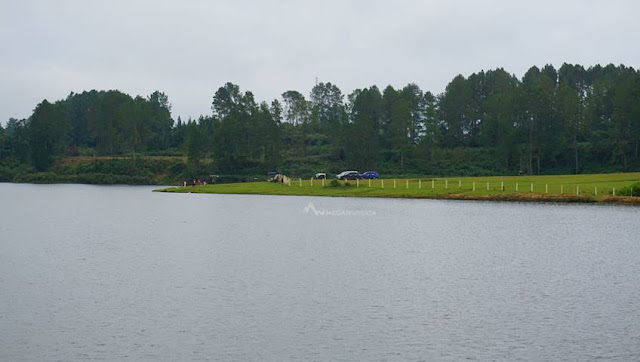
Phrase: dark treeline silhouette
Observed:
(567, 120)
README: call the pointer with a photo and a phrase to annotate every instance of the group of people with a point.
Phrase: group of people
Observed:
(196, 182)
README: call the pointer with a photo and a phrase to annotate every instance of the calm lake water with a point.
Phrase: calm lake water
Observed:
(121, 273)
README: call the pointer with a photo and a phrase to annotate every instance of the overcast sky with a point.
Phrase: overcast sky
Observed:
(188, 49)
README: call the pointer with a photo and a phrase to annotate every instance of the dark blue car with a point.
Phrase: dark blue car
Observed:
(370, 175)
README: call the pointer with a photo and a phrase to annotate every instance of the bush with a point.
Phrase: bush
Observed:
(6, 174)
(633, 190)
(335, 183)
(229, 179)
(177, 168)
(95, 178)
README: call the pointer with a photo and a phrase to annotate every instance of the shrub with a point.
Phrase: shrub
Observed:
(6, 174)
(632, 190)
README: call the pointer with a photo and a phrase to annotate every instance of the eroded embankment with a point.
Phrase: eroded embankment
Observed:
(512, 197)
(521, 198)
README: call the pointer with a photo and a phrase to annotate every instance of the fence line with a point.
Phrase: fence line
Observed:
(474, 185)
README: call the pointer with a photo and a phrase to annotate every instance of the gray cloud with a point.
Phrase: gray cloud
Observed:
(190, 48)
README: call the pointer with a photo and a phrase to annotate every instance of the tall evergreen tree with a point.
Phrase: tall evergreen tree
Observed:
(363, 135)
(48, 128)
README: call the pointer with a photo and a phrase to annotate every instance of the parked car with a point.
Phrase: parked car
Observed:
(370, 174)
(320, 176)
(348, 175)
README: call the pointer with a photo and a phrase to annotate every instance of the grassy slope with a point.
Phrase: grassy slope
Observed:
(586, 184)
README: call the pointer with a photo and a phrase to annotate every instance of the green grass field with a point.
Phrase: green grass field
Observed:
(576, 188)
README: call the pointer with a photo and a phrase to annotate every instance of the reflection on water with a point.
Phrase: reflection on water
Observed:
(99, 272)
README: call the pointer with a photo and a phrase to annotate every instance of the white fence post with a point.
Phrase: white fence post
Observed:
(407, 184)
(501, 185)
(474, 185)
(357, 182)
(369, 182)
(382, 183)
(487, 185)
(446, 184)
(433, 183)
(516, 187)
(532, 187)
(546, 188)
(614, 191)
(394, 183)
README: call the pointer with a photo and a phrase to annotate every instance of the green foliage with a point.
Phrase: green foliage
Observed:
(98, 178)
(6, 174)
(551, 121)
(631, 190)
(196, 144)
(48, 128)
(363, 140)
(335, 183)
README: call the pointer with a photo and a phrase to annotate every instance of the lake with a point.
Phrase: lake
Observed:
(122, 273)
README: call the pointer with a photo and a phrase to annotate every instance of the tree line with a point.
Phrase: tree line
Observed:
(566, 120)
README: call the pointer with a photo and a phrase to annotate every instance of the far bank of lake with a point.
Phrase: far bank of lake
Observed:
(594, 188)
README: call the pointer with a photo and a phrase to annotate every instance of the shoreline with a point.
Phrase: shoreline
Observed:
(503, 197)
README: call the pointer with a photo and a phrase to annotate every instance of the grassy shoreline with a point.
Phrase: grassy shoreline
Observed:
(594, 188)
